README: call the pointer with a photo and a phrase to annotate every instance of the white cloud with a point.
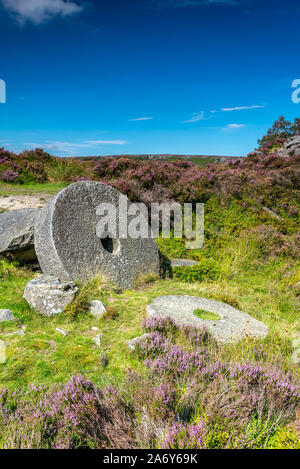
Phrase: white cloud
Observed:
(39, 11)
(196, 117)
(240, 108)
(141, 119)
(235, 126)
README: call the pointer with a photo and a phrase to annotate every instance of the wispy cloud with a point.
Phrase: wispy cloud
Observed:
(200, 116)
(40, 11)
(71, 148)
(196, 117)
(106, 142)
(141, 119)
(240, 108)
(235, 126)
(164, 4)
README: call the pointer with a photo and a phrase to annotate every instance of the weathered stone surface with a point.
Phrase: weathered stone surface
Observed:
(292, 147)
(19, 333)
(296, 356)
(61, 331)
(68, 245)
(271, 213)
(17, 234)
(97, 308)
(48, 295)
(6, 315)
(296, 343)
(2, 352)
(233, 325)
(97, 340)
(183, 263)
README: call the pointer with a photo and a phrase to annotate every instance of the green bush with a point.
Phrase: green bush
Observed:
(284, 438)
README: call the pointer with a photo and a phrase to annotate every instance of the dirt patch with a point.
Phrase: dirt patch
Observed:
(17, 202)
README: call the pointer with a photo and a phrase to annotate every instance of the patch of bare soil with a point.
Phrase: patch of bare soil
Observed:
(17, 202)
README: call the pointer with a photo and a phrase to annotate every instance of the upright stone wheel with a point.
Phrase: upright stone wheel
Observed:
(69, 245)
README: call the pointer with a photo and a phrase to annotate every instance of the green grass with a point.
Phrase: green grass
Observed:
(201, 162)
(43, 355)
(202, 314)
(30, 189)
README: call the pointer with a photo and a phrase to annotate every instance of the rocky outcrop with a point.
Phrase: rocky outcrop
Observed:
(17, 234)
(292, 147)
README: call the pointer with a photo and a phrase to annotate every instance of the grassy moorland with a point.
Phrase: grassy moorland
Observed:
(179, 389)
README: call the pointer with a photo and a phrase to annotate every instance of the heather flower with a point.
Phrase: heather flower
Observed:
(164, 326)
(179, 436)
(9, 176)
(81, 179)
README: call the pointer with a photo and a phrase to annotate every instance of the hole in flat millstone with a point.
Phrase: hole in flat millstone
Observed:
(202, 314)
(110, 245)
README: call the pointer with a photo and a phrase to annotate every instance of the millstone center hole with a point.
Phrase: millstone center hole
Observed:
(110, 245)
(202, 314)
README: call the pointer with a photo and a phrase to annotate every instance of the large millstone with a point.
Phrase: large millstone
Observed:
(69, 247)
(231, 324)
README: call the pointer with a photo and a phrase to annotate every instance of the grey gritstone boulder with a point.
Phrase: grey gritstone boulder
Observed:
(17, 233)
(48, 295)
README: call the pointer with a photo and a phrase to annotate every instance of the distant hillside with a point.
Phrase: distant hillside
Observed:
(199, 160)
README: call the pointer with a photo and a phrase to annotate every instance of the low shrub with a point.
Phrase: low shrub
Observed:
(207, 269)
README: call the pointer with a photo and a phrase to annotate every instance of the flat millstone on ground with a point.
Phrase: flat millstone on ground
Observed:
(233, 325)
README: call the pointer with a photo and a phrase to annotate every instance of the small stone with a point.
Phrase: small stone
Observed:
(20, 333)
(272, 214)
(296, 356)
(6, 315)
(95, 329)
(97, 309)
(61, 331)
(48, 295)
(133, 342)
(2, 352)
(97, 340)
(296, 343)
(183, 263)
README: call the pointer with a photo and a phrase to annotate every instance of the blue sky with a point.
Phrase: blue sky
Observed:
(146, 76)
